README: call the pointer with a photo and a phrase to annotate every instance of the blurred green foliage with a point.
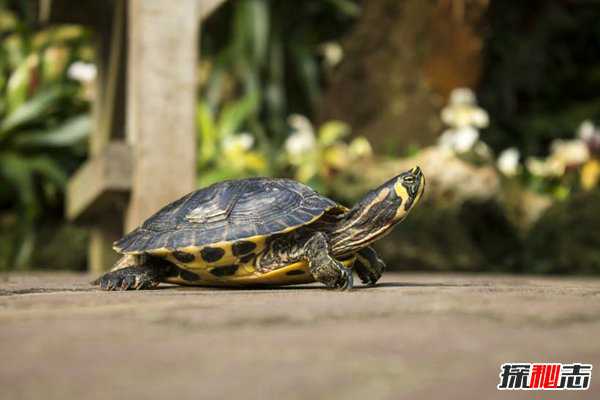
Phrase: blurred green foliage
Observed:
(261, 62)
(269, 49)
(43, 124)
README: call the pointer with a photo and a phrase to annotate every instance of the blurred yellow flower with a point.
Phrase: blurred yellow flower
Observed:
(360, 148)
(590, 174)
(336, 156)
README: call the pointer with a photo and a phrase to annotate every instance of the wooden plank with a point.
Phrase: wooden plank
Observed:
(100, 187)
(161, 98)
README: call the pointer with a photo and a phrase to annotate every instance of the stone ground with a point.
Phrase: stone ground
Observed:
(415, 336)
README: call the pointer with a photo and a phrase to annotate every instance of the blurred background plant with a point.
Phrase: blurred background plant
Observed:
(43, 124)
(263, 61)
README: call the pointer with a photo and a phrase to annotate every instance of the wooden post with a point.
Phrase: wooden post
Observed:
(161, 98)
(147, 59)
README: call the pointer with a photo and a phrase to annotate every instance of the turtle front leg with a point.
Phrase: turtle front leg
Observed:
(323, 266)
(368, 266)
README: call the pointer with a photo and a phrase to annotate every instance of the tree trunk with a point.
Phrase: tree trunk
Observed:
(402, 60)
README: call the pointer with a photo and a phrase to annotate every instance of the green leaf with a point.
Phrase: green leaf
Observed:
(348, 7)
(18, 84)
(258, 30)
(70, 132)
(49, 169)
(308, 71)
(34, 109)
(207, 132)
(275, 99)
(17, 172)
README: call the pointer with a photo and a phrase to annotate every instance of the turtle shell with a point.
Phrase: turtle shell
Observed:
(226, 212)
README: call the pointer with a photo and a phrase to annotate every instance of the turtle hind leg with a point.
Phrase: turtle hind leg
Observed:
(368, 266)
(145, 273)
(323, 266)
(141, 277)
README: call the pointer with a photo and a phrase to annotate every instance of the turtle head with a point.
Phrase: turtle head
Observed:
(409, 187)
(378, 212)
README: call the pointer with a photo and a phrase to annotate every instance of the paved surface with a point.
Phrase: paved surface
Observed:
(412, 337)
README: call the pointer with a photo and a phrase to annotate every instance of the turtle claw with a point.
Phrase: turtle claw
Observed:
(346, 281)
(127, 282)
(129, 278)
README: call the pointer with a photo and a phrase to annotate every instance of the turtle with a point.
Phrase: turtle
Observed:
(263, 232)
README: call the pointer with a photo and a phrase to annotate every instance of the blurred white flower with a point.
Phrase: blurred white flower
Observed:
(590, 134)
(333, 53)
(459, 140)
(300, 123)
(508, 161)
(586, 130)
(463, 110)
(480, 118)
(238, 143)
(302, 139)
(570, 152)
(462, 96)
(82, 72)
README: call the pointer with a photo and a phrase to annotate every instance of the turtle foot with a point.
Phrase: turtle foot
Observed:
(369, 266)
(129, 278)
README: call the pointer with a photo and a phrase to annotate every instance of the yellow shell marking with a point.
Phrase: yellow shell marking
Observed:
(246, 275)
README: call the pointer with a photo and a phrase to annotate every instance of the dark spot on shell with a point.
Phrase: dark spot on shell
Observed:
(225, 270)
(243, 247)
(174, 271)
(188, 275)
(295, 272)
(183, 257)
(212, 254)
(247, 258)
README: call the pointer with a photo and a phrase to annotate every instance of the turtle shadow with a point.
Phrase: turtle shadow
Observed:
(257, 288)
(314, 287)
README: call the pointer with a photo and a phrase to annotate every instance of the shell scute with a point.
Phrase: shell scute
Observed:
(228, 211)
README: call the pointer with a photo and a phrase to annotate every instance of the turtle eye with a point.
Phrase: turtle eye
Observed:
(409, 179)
